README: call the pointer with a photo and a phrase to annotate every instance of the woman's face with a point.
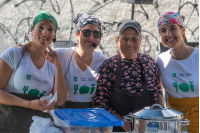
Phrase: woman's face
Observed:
(172, 35)
(86, 42)
(129, 43)
(43, 33)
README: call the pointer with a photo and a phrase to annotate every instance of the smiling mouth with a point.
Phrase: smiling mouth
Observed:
(44, 39)
(129, 48)
(170, 40)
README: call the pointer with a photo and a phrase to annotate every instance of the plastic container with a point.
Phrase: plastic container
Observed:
(90, 120)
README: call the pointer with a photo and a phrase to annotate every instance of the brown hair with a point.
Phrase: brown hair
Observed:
(24, 49)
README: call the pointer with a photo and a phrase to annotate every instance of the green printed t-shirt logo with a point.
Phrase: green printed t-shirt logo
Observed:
(184, 87)
(33, 92)
(75, 79)
(28, 77)
(84, 89)
(36, 92)
(25, 89)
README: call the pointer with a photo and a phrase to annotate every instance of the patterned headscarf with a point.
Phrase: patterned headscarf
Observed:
(170, 17)
(84, 19)
(42, 15)
(174, 18)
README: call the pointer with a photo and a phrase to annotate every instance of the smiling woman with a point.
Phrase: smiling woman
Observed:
(172, 34)
(129, 43)
(130, 80)
(28, 73)
(81, 63)
(179, 67)
(43, 33)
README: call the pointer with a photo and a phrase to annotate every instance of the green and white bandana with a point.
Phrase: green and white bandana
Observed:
(42, 15)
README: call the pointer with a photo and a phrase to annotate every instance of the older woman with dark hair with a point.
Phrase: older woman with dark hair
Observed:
(179, 67)
(129, 80)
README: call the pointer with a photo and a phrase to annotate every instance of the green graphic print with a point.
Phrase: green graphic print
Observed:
(25, 89)
(92, 89)
(28, 77)
(174, 74)
(175, 84)
(75, 79)
(33, 92)
(184, 87)
(84, 89)
(75, 88)
(42, 94)
(191, 86)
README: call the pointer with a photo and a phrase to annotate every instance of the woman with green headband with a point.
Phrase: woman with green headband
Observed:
(28, 73)
(179, 67)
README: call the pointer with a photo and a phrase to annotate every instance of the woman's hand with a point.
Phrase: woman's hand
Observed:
(59, 81)
(41, 105)
(52, 57)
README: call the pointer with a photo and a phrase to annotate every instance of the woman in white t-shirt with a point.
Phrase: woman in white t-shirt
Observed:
(28, 73)
(179, 67)
(81, 63)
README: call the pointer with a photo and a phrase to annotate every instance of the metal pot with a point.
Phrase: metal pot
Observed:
(156, 119)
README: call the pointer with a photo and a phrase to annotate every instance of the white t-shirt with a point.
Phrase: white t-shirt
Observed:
(180, 77)
(27, 78)
(81, 85)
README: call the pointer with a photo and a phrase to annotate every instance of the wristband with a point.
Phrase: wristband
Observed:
(29, 104)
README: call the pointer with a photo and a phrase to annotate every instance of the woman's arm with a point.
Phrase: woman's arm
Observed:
(59, 86)
(127, 125)
(5, 73)
(59, 81)
(9, 99)
(159, 86)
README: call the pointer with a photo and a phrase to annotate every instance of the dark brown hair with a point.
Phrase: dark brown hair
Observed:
(24, 49)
